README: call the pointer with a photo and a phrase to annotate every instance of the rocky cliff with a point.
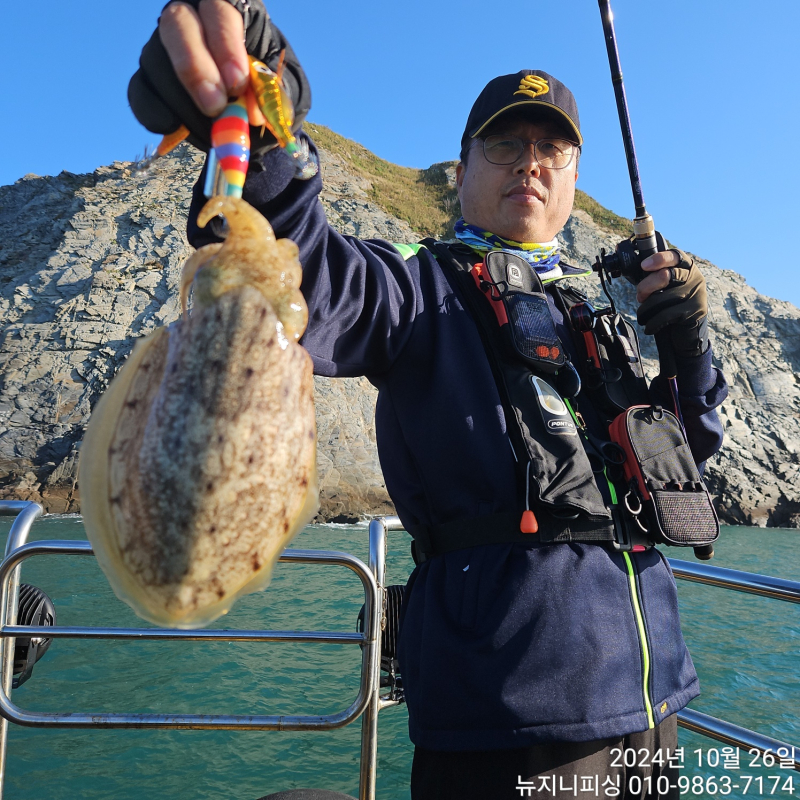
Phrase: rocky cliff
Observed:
(88, 263)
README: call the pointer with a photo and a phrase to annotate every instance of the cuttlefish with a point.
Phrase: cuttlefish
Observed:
(198, 465)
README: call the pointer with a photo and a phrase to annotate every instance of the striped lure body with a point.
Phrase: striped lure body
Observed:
(230, 138)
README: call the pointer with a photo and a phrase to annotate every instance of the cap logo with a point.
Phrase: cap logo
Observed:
(533, 86)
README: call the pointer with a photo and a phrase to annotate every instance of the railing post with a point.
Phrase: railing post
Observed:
(25, 513)
(369, 720)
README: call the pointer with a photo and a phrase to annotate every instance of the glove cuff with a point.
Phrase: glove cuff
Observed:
(689, 340)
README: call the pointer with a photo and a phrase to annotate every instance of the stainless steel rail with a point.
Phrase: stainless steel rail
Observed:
(25, 514)
(378, 528)
(369, 640)
(750, 583)
(728, 733)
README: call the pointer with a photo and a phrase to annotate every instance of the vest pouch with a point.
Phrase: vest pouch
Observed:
(612, 366)
(559, 474)
(525, 315)
(667, 495)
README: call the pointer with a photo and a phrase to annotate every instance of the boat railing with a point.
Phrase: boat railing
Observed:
(749, 583)
(368, 702)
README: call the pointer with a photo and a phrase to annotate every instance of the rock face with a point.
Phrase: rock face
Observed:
(89, 263)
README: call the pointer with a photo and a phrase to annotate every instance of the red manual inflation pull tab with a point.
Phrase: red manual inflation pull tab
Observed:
(528, 523)
(638, 548)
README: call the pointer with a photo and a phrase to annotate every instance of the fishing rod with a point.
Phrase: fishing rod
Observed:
(626, 260)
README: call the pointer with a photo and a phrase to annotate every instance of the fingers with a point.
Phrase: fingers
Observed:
(207, 51)
(659, 265)
(181, 33)
(687, 305)
(653, 283)
(224, 32)
(666, 258)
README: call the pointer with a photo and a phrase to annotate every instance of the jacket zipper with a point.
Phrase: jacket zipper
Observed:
(642, 639)
(637, 609)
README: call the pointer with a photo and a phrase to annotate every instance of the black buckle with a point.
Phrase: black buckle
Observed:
(629, 534)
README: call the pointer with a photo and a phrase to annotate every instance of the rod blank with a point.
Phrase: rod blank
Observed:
(622, 105)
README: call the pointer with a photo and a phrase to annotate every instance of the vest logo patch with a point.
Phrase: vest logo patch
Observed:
(533, 86)
(514, 275)
(565, 426)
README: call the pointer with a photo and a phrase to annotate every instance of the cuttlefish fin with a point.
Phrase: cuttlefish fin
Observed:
(197, 260)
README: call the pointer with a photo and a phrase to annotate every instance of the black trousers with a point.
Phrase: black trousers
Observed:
(640, 765)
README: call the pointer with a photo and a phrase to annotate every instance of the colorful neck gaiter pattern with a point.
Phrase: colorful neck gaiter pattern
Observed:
(543, 258)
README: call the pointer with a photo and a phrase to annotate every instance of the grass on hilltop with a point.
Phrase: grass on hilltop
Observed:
(424, 198)
(421, 197)
(602, 216)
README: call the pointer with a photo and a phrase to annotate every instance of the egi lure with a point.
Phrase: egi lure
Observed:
(265, 104)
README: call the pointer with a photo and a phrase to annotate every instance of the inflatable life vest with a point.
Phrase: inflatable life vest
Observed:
(636, 486)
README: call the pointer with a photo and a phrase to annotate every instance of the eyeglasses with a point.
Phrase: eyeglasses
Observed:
(549, 153)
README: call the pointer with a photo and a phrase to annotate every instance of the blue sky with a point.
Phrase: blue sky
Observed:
(712, 88)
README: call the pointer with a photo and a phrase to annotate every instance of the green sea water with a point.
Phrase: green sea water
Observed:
(745, 649)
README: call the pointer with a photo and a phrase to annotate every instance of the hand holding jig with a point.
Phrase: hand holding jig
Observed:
(198, 58)
(206, 48)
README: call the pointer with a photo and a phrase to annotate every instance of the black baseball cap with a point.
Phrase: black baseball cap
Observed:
(527, 89)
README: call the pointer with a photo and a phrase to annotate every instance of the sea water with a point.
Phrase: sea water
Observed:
(745, 649)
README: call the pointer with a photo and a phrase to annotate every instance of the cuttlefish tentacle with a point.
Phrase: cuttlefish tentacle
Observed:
(196, 261)
(244, 221)
(241, 260)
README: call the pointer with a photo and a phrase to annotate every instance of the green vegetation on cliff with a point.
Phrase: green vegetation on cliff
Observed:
(602, 216)
(426, 198)
(422, 197)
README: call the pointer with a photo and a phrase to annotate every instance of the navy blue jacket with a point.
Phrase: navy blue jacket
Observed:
(501, 645)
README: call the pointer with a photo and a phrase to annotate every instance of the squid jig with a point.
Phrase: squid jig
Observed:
(265, 104)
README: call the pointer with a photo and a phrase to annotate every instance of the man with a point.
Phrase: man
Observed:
(522, 659)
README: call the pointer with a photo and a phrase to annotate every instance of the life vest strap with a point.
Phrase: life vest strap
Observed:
(503, 528)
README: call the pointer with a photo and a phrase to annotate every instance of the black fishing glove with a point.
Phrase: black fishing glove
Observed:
(680, 310)
(162, 105)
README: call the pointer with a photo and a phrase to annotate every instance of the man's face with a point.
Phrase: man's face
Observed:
(521, 201)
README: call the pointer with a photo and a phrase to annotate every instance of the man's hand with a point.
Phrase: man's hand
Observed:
(206, 48)
(658, 266)
(674, 296)
(198, 58)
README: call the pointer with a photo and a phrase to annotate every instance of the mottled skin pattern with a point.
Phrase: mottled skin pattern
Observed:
(201, 464)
